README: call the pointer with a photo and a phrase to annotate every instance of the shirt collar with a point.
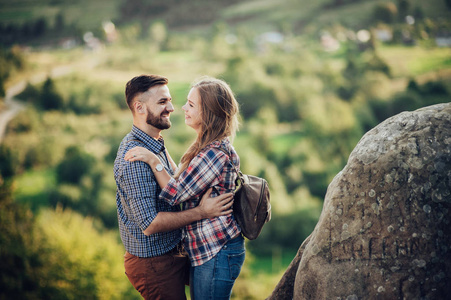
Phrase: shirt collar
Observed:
(224, 143)
(154, 145)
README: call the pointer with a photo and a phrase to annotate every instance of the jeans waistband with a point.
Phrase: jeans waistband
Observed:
(238, 239)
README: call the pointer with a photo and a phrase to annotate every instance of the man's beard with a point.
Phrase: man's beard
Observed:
(157, 121)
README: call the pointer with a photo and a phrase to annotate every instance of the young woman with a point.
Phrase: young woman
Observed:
(215, 246)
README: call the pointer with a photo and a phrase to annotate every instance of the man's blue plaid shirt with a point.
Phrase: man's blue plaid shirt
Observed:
(137, 198)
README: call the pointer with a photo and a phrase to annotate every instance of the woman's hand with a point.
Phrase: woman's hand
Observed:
(142, 154)
(145, 155)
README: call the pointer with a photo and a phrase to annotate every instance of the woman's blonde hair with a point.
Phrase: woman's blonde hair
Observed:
(219, 115)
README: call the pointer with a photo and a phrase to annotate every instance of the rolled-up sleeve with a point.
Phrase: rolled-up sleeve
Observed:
(140, 188)
(203, 172)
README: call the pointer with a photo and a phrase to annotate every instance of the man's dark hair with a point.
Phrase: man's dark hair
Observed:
(140, 84)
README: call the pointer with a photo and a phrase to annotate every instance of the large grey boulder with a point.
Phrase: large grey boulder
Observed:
(384, 231)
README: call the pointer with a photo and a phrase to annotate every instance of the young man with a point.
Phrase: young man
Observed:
(150, 228)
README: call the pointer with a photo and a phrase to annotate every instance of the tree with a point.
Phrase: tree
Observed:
(158, 34)
(352, 75)
(418, 13)
(60, 22)
(448, 3)
(50, 98)
(10, 60)
(403, 8)
(40, 27)
(385, 12)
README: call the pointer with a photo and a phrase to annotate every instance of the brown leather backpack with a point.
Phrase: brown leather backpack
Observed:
(251, 207)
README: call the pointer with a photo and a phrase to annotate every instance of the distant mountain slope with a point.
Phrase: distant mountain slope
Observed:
(179, 14)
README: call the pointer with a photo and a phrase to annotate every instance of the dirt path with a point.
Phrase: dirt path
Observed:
(14, 106)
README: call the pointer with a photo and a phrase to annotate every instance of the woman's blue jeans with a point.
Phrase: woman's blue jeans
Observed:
(215, 278)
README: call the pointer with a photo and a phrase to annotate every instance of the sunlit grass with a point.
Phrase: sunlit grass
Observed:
(31, 187)
(282, 143)
(414, 61)
(279, 261)
(33, 182)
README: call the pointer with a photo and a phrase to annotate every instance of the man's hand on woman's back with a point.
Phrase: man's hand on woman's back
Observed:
(215, 206)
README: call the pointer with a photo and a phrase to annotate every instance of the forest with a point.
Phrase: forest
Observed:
(311, 78)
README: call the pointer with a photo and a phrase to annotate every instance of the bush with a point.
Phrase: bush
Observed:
(65, 195)
(24, 258)
(74, 165)
(376, 63)
(59, 255)
(119, 99)
(413, 86)
(86, 262)
(29, 94)
(317, 183)
(284, 231)
(35, 157)
(434, 88)
(289, 112)
(255, 98)
(414, 97)
(346, 92)
(80, 105)
(26, 121)
(7, 163)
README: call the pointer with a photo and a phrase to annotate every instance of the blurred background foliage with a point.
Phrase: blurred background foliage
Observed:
(311, 78)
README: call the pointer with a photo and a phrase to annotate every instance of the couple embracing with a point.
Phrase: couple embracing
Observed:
(176, 223)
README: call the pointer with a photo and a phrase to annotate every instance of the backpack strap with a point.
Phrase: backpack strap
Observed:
(237, 170)
(239, 181)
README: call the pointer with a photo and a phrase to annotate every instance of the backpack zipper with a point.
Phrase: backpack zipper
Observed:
(259, 202)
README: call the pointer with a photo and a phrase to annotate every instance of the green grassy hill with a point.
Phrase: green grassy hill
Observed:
(191, 15)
